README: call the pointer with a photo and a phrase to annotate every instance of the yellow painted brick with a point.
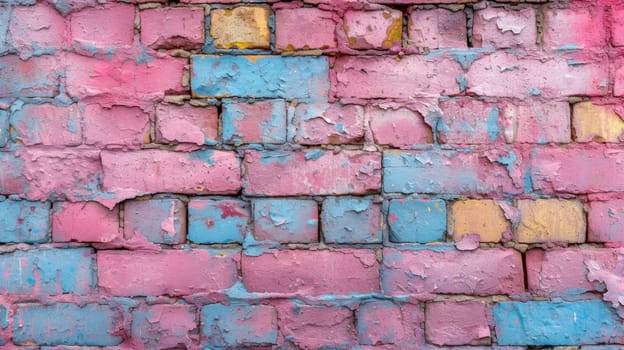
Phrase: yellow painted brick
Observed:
(551, 220)
(596, 123)
(484, 217)
(245, 27)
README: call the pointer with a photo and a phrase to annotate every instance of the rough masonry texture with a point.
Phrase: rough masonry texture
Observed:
(312, 174)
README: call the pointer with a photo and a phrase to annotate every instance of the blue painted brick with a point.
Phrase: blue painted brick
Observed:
(546, 323)
(416, 220)
(217, 221)
(65, 324)
(286, 220)
(258, 122)
(350, 220)
(48, 271)
(5, 15)
(24, 221)
(260, 76)
(4, 123)
(239, 324)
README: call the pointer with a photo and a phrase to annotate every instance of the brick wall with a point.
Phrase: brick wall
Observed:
(318, 174)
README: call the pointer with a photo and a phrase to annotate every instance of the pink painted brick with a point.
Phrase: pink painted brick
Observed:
(503, 74)
(538, 122)
(315, 326)
(109, 26)
(278, 173)
(618, 86)
(589, 25)
(400, 128)
(129, 174)
(308, 272)
(378, 29)
(286, 220)
(617, 25)
(258, 122)
(437, 28)
(563, 271)
(478, 272)
(171, 272)
(47, 124)
(164, 326)
(120, 126)
(292, 26)
(158, 220)
(458, 323)
(323, 123)
(383, 322)
(384, 77)
(187, 124)
(605, 221)
(84, 222)
(469, 121)
(577, 169)
(35, 77)
(123, 79)
(37, 29)
(173, 27)
(503, 28)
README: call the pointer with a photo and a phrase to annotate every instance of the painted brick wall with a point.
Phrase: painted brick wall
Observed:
(318, 174)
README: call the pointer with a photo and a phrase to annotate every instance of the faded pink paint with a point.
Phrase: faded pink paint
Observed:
(322, 123)
(617, 25)
(172, 272)
(186, 124)
(118, 126)
(537, 122)
(371, 29)
(458, 323)
(400, 128)
(437, 28)
(37, 26)
(84, 222)
(589, 29)
(306, 272)
(173, 27)
(108, 26)
(48, 125)
(502, 28)
(291, 26)
(605, 221)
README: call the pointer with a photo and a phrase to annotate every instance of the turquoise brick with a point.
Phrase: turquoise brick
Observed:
(65, 324)
(217, 221)
(260, 76)
(24, 221)
(350, 220)
(239, 325)
(542, 323)
(416, 220)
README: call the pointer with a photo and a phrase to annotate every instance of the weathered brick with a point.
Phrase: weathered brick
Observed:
(244, 27)
(458, 323)
(378, 29)
(285, 220)
(416, 220)
(504, 74)
(173, 27)
(198, 125)
(217, 221)
(91, 324)
(292, 25)
(24, 221)
(551, 220)
(260, 76)
(588, 23)
(576, 170)
(618, 85)
(478, 216)
(478, 272)
(562, 272)
(258, 122)
(151, 171)
(108, 26)
(605, 221)
(536, 122)
(172, 272)
(550, 323)
(164, 326)
(48, 271)
(351, 220)
(35, 77)
(503, 28)
(444, 171)
(238, 325)
(158, 220)
(30, 36)
(401, 128)
(276, 173)
(47, 124)
(4, 127)
(437, 28)
(598, 123)
(617, 25)
(84, 222)
(385, 77)
(383, 322)
(119, 126)
(323, 123)
(469, 121)
(305, 272)
(5, 15)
